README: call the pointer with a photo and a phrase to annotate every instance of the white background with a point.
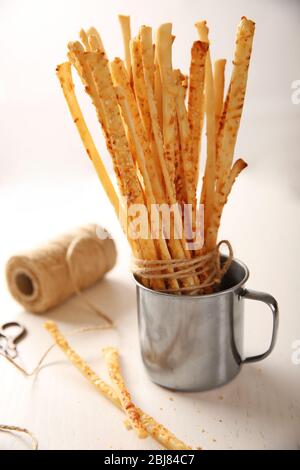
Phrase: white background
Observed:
(47, 185)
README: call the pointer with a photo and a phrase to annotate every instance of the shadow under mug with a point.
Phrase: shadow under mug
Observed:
(195, 343)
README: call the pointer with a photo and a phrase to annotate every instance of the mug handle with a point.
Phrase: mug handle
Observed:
(271, 302)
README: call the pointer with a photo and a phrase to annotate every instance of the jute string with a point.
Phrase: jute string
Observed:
(4, 427)
(207, 267)
(7, 428)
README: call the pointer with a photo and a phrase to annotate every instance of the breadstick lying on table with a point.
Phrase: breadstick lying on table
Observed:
(156, 430)
(111, 357)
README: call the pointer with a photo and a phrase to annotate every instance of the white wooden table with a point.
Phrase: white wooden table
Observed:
(259, 409)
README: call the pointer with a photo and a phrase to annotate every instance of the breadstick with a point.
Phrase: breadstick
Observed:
(219, 79)
(84, 39)
(126, 33)
(139, 84)
(146, 50)
(230, 120)
(185, 144)
(121, 78)
(130, 186)
(143, 62)
(185, 84)
(162, 434)
(196, 102)
(208, 195)
(155, 129)
(83, 367)
(141, 98)
(170, 187)
(65, 77)
(136, 138)
(80, 60)
(111, 357)
(158, 91)
(164, 42)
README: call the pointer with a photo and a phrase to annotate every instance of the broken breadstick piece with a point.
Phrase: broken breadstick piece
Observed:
(111, 357)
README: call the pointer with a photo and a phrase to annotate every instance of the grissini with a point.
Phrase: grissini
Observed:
(196, 102)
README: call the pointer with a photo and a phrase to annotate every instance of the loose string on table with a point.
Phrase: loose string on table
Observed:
(5, 427)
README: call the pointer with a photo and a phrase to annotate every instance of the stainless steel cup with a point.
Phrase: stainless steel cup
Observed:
(194, 343)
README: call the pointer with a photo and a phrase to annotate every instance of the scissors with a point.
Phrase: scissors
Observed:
(10, 334)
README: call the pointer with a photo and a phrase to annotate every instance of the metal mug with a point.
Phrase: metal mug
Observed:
(195, 343)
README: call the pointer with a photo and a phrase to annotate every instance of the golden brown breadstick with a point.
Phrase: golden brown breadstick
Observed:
(111, 357)
(139, 146)
(84, 39)
(208, 189)
(95, 40)
(219, 79)
(230, 120)
(238, 166)
(177, 247)
(196, 102)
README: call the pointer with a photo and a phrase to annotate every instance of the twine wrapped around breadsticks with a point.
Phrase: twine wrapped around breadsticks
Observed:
(207, 267)
(44, 277)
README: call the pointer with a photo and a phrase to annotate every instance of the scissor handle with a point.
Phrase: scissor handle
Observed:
(4, 331)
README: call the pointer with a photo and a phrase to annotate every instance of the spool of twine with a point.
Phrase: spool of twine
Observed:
(44, 277)
(207, 267)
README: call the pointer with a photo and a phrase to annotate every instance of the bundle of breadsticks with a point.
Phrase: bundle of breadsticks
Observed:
(152, 117)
